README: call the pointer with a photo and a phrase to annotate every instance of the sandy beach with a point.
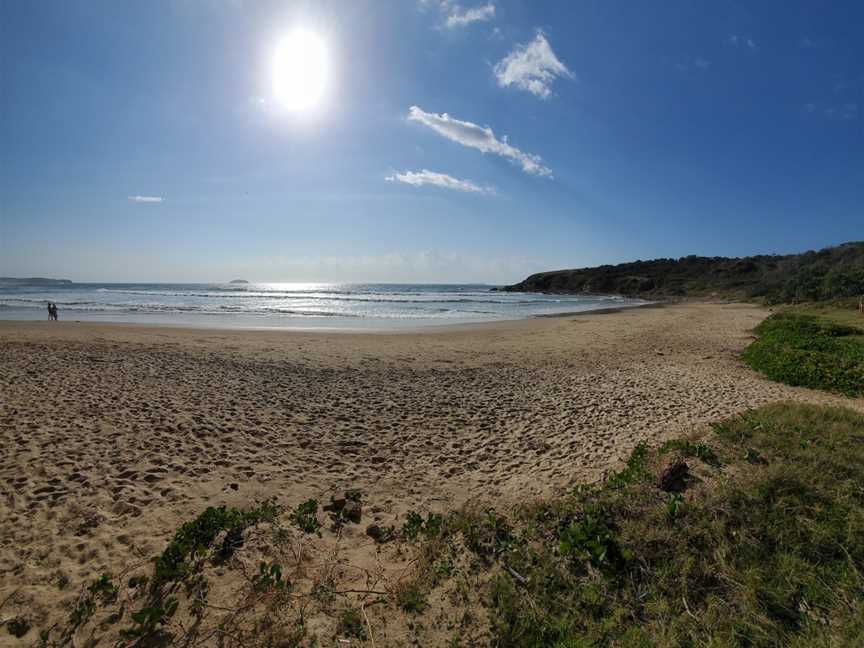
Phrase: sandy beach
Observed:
(112, 435)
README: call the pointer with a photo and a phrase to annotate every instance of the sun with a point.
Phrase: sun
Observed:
(300, 71)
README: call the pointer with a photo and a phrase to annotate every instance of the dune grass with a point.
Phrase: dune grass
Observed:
(799, 348)
(765, 547)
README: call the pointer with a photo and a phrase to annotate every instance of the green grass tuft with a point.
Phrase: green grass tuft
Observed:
(685, 448)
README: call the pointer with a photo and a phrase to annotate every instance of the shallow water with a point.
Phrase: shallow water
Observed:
(284, 305)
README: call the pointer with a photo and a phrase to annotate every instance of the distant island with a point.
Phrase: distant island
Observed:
(831, 273)
(238, 281)
(33, 281)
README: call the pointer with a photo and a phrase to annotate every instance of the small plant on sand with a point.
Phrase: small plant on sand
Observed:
(351, 624)
(103, 588)
(415, 525)
(182, 562)
(411, 597)
(194, 538)
(269, 578)
(635, 470)
(305, 517)
(148, 620)
(81, 612)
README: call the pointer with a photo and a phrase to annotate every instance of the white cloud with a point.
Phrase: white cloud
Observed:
(461, 17)
(424, 177)
(478, 137)
(145, 199)
(532, 67)
(455, 15)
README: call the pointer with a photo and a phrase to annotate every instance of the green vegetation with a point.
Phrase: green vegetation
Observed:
(828, 274)
(759, 544)
(415, 525)
(770, 554)
(194, 538)
(180, 564)
(270, 578)
(810, 351)
(351, 624)
(685, 448)
(305, 517)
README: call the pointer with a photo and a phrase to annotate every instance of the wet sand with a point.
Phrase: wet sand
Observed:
(112, 435)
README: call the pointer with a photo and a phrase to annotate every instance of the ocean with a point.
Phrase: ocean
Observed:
(290, 305)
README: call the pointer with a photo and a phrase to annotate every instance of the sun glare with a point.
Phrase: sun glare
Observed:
(300, 70)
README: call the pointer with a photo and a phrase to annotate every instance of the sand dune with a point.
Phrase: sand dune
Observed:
(113, 435)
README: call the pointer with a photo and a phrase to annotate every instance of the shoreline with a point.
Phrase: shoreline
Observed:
(400, 329)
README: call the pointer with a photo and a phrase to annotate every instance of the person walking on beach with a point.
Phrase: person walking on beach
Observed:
(50, 312)
(54, 308)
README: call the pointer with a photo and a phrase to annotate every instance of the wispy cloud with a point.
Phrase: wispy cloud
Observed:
(742, 41)
(847, 111)
(478, 137)
(145, 199)
(689, 63)
(455, 15)
(459, 17)
(532, 67)
(443, 180)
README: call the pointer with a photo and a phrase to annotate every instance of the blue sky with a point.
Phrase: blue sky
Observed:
(470, 141)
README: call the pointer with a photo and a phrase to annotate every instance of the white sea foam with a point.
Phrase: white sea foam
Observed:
(277, 304)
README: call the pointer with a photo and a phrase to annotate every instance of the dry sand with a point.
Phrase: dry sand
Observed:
(112, 435)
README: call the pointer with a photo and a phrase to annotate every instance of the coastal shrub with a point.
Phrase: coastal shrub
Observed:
(809, 351)
(772, 556)
(195, 537)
